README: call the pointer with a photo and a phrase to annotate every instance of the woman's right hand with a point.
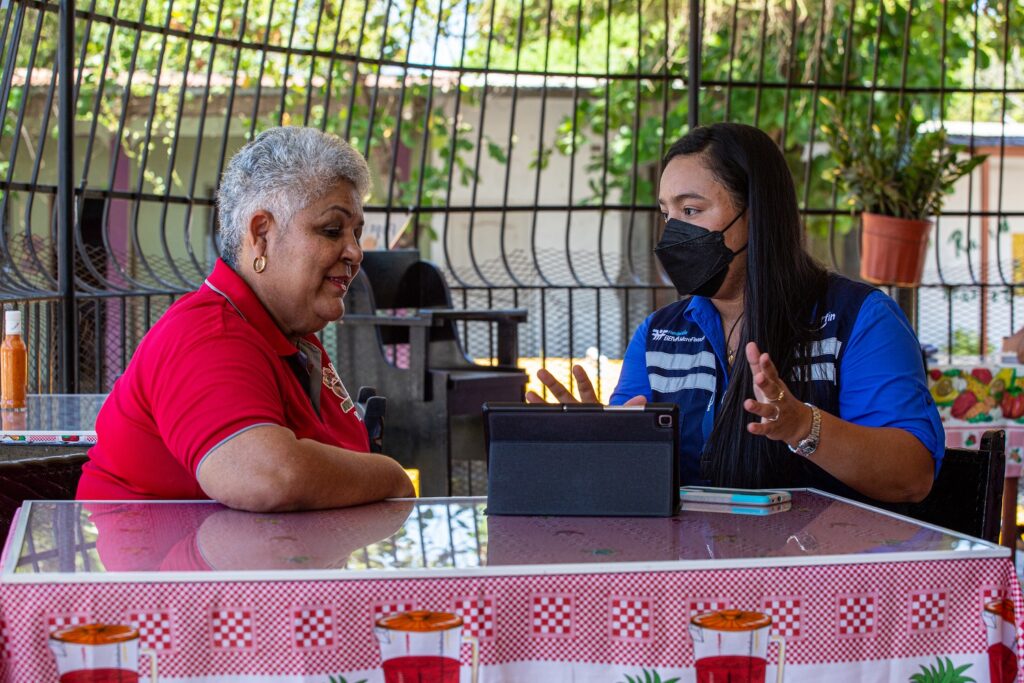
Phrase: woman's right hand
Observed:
(562, 393)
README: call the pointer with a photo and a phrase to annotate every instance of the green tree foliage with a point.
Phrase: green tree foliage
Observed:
(763, 62)
(144, 66)
(386, 74)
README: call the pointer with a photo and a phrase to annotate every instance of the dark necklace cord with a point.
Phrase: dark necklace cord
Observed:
(731, 352)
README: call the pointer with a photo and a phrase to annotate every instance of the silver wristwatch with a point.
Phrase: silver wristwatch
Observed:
(809, 444)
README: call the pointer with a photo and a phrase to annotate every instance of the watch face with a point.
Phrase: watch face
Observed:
(807, 447)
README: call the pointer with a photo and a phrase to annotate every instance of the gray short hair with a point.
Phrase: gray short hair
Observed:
(282, 171)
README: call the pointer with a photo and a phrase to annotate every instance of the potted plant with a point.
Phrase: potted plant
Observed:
(897, 176)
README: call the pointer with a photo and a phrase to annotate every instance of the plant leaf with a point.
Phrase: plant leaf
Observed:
(895, 169)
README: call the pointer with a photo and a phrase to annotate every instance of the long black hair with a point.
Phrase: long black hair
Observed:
(784, 287)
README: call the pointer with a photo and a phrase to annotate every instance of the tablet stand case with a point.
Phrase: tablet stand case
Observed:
(582, 459)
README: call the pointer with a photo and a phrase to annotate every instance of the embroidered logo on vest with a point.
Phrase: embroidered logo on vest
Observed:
(670, 336)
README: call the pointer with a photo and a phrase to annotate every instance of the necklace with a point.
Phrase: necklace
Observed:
(728, 339)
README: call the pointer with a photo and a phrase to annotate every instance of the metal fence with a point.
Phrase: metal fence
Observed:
(517, 144)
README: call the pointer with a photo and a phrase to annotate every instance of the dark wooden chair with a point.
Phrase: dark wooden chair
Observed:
(400, 307)
(967, 494)
(52, 477)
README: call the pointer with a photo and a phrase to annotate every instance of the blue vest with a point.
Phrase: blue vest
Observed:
(686, 365)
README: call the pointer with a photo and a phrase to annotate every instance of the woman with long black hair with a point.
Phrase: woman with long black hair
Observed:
(785, 374)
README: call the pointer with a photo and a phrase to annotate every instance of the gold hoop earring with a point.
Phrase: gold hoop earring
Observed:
(259, 264)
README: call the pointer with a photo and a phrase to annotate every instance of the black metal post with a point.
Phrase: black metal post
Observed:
(693, 67)
(67, 351)
(906, 297)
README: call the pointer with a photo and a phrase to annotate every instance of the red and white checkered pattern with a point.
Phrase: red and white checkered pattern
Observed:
(856, 615)
(786, 614)
(989, 593)
(156, 629)
(4, 641)
(381, 609)
(631, 619)
(313, 628)
(477, 614)
(356, 653)
(551, 615)
(927, 610)
(56, 621)
(702, 605)
(232, 629)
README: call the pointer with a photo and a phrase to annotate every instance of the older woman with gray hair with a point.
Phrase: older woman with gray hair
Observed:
(230, 395)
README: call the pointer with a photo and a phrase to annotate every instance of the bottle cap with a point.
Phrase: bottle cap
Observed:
(12, 322)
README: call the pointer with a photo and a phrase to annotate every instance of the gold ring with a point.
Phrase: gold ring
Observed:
(782, 395)
(775, 417)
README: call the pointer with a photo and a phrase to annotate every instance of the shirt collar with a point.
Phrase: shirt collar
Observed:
(701, 311)
(230, 285)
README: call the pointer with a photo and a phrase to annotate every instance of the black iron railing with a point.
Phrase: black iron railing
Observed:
(517, 144)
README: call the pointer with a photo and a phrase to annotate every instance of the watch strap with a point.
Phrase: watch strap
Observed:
(806, 446)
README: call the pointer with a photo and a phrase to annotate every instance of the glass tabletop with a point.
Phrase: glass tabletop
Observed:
(88, 541)
(54, 414)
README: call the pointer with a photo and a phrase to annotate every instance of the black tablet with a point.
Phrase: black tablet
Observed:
(582, 459)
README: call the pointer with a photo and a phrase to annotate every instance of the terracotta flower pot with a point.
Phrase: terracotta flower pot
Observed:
(893, 249)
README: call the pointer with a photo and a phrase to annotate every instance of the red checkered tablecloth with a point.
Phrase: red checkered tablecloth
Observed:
(841, 622)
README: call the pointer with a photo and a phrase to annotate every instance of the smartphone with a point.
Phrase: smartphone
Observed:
(758, 510)
(723, 496)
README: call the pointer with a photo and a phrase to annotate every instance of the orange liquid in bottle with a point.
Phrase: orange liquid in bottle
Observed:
(13, 364)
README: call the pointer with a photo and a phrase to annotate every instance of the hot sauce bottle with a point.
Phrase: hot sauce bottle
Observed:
(13, 364)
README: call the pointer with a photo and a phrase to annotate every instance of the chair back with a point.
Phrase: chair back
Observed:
(398, 279)
(53, 477)
(415, 358)
(360, 351)
(967, 494)
(386, 271)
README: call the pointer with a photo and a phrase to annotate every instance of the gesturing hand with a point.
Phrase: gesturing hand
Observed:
(1015, 344)
(783, 416)
(562, 393)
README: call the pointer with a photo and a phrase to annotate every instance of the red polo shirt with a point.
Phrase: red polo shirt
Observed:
(212, 367)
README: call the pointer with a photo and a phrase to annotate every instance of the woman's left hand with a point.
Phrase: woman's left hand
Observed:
(783, 416)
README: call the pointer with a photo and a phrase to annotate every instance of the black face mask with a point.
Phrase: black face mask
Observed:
(695, 259)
